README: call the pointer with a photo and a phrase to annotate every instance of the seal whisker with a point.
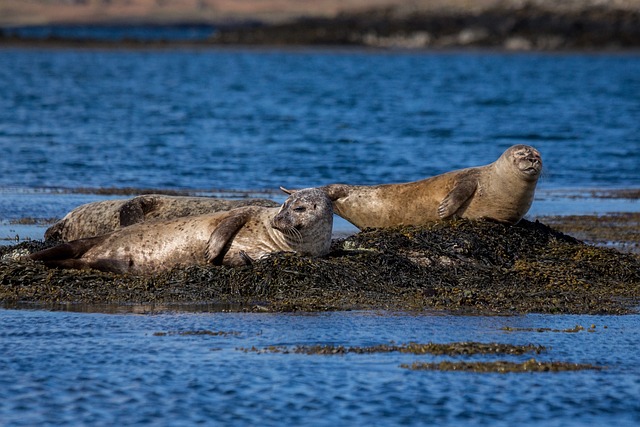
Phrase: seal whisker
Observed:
(294, 234)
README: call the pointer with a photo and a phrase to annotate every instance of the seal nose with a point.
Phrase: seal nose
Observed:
(534, 157)
(277, 220)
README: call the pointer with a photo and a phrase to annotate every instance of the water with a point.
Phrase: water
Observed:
(79, 368)
(216, 120)
(112, 33)
(203, 119)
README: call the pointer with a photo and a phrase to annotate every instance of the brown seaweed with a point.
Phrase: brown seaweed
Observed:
(460, 266)
(451, 349)
(501, 366)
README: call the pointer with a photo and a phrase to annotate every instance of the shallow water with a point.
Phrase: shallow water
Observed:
(252, 120)
(82, 368)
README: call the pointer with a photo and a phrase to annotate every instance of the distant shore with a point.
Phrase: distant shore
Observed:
(516, 26)
(529, 27)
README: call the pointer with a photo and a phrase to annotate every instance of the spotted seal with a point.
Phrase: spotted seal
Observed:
(96, 218)
(302, 224)
(502, 191)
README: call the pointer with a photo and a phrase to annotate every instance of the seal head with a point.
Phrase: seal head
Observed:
(306, 219)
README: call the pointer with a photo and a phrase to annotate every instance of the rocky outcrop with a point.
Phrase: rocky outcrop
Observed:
(458, 266)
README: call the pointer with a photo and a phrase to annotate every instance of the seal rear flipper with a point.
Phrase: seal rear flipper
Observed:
(64, 251)
(134, 210)
(111, 266)
(461, 192)
(223, 235)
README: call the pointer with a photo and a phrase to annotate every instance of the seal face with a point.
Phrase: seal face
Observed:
(302, 224)
(502, 191)
(96, 218)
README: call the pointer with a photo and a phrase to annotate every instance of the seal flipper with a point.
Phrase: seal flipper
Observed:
(246, 258)
(464, 188)
(334, 191)
(223, 235)
(54, 233)
(67, 255)
(287, 191)
(134, 210)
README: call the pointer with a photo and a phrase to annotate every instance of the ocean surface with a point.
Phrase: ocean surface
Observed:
(237, 122)
(111, 33)
(66, 368)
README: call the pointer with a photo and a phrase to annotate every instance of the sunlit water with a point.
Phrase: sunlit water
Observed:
(205, 119)
(252, 120)
(79, 368)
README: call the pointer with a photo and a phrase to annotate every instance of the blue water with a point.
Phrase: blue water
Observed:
(112, 33)
(216, 120)
(61, 368)
(260, 119)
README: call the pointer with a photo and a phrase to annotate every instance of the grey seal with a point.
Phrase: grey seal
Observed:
(96, 218)
(302, 224)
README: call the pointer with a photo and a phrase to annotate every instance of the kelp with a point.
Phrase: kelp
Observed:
(501, 366)
(449, 349)
(460, 266)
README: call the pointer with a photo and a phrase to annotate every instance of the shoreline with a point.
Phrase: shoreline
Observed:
(534, 25)
(6, 44)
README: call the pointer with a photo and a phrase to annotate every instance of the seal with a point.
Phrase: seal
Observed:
(302, 224)
(96, 218)
(502, 191)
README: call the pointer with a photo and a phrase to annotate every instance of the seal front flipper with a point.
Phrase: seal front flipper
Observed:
(223, 235)
(334, 191)
(134, 210)
(246, 258)
(462, 191)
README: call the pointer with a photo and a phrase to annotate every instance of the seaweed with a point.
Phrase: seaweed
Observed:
(501, 366)
(461, 266)
(451, 349)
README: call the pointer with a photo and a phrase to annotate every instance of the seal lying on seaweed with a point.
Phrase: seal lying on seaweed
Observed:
(96, 218)
(502, 191)
(302, 224)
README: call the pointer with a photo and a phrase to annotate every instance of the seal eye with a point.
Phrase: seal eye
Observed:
(300, 209)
